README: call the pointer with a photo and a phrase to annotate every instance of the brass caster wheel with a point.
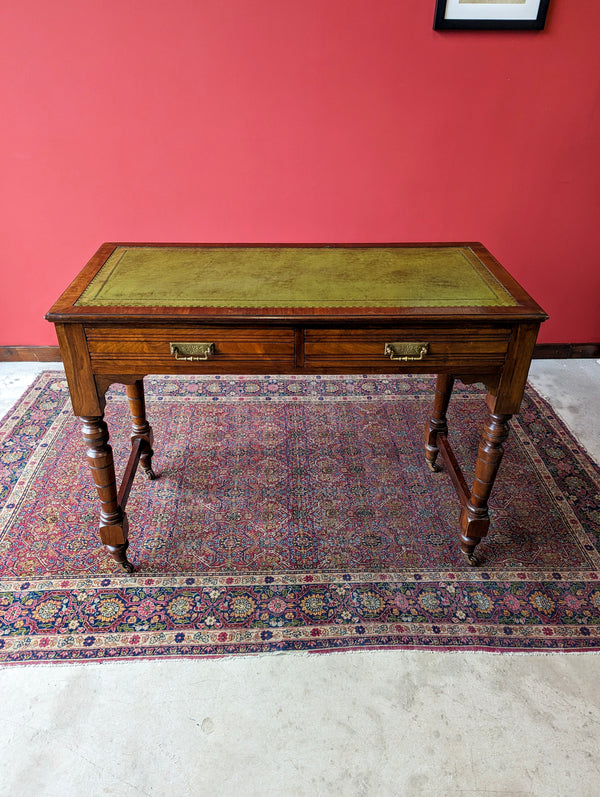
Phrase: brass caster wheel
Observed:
(119, 554)
(150, 475)
(433, 466)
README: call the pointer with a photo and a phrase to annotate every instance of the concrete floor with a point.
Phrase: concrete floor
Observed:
(367, 723)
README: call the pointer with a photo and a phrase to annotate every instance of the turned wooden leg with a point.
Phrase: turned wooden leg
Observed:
(114, 526)
(438, 424)
(141, 429)
(474, 517)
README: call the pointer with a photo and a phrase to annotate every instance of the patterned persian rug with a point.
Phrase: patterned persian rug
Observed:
(292, 513)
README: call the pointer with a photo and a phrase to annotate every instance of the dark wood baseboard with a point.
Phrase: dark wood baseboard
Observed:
(36, 354)
(543, 351)
(565, 351)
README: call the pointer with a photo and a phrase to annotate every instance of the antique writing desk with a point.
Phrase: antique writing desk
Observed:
(448, 309)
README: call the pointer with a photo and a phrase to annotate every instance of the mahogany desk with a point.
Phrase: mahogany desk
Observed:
(448, 309)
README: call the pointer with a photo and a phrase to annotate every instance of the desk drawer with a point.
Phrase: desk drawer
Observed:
(236, 350)
(478, 347)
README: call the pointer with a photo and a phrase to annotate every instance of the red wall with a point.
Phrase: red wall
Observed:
(278, 120)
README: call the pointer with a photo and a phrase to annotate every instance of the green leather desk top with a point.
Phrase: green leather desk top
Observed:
(163, 276)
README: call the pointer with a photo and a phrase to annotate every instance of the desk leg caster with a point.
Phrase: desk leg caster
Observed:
(468, 544)
(119, 554)
(149, 473)
(472, 558)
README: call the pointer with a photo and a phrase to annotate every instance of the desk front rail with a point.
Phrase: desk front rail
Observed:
(141, 350)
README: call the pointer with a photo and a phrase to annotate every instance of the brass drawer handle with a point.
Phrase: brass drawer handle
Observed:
(192, 351)
(406, 351)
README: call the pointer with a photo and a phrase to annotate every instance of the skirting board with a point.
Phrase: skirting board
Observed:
(36, 354)
(565, 351)
(543, 351)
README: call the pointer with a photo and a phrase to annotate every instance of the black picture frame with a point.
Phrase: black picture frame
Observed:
(489, 22)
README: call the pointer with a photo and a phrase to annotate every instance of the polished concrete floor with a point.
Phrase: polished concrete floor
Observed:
(366, 723)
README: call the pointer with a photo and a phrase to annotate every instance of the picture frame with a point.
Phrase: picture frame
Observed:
(490, 14)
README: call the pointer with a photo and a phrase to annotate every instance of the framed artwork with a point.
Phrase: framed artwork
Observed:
(490, 14)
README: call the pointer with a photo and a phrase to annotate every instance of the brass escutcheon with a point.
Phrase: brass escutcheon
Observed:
(406, 351)
(192, 351)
